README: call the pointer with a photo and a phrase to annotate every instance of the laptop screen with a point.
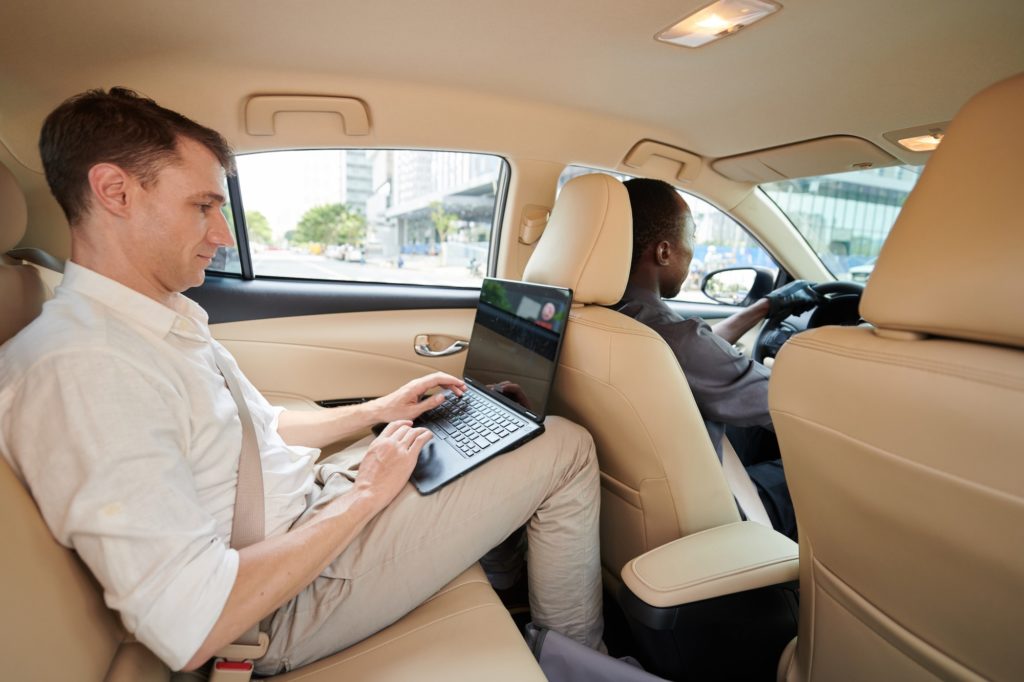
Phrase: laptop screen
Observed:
(517, 335)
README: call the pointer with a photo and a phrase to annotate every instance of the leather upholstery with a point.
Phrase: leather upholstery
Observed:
(462, 633)
(23, 296)
(588, 241)
(23, 291)
(660, 477)
(51, 603)
(902, 451)
(946, 267)
(13, 211)
(728, 559)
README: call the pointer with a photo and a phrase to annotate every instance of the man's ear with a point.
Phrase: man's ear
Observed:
(662, 253)
(110, 187)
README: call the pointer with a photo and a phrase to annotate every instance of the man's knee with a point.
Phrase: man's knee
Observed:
(572, 443)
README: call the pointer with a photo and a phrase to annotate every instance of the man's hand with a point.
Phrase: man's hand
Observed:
(795, 298)
(389, 461)
(408, 401)
(274, 570)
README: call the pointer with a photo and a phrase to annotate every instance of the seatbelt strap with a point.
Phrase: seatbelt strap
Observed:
(247, 528)
(743, 489)
(247, 525)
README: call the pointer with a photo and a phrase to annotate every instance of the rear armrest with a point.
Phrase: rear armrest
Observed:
(713, 563)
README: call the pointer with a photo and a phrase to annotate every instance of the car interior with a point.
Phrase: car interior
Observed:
(391, 155)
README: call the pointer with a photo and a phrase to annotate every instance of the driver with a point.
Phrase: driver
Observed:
(730, 389)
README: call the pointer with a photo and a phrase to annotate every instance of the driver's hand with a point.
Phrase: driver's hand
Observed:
(513, 391)
(794, 298)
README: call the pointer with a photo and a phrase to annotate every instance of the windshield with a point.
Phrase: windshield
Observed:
(845, 217)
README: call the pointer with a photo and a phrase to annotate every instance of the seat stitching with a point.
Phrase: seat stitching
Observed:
(593, 243)
(750, 568)
(980, 375)
(832, 586)
(949, 477)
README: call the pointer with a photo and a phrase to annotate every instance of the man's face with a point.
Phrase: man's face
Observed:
(680, 253)
(180, 224)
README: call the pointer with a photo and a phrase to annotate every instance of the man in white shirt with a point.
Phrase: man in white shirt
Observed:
(114, 412)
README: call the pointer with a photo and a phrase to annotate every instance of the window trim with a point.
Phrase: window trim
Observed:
(241, 228)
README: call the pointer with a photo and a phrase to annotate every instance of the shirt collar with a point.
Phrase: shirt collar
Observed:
(182, 315)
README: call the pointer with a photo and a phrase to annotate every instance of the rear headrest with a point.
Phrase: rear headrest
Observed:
(588, 243)
(13, 211)
(952, 263)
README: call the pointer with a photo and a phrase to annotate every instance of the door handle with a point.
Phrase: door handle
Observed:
(426, 343)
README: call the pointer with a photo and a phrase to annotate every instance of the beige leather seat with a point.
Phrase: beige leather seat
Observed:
(904, 444)
(55, 625)
(660, 477)
(22, 292)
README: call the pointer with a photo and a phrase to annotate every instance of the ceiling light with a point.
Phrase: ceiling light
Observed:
(720, 19)
(919, 138)
(921, 143)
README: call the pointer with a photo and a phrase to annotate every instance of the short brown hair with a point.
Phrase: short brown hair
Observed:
(118, 127)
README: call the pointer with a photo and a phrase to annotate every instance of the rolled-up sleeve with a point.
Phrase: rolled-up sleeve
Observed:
(104, 455)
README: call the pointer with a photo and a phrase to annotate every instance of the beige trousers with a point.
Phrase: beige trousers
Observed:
(420, 543)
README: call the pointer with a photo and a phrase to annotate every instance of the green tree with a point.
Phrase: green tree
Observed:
(331, 224)
(444, 222)
(259, 227)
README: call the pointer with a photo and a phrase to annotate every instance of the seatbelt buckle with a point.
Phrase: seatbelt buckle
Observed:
(231, 671)
(234, 663)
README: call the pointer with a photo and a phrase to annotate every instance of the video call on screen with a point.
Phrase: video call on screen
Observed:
(515, 337)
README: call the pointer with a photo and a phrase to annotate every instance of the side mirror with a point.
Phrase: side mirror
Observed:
(738, 286)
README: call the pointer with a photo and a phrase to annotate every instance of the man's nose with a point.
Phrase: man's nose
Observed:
(221, 232)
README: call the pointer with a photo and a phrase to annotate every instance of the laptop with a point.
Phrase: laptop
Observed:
(510, 366)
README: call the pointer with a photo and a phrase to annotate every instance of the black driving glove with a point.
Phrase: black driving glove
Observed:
(792, 299)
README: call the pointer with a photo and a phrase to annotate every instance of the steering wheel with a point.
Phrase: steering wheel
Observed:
(840, 305)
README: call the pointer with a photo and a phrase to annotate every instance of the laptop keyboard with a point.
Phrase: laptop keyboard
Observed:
(471, 423)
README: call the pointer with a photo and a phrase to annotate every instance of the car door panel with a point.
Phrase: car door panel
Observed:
(302, 343)
(305, 359)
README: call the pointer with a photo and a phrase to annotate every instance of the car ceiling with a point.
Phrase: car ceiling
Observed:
(819, 67)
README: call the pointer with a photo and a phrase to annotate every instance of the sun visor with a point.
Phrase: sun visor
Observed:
(814, 157)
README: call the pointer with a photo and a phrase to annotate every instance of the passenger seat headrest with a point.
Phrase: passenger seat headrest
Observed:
(13, 211)
(588, 242)
(951, 266)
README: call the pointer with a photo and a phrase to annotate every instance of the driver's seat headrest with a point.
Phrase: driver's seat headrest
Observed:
(587, 245)
(13, 211)
(951, 266)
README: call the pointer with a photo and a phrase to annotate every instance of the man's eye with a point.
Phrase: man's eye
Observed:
(203, 208)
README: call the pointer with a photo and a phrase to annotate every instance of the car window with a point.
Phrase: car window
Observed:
(401, 216)
(721, 242)
(845, 217)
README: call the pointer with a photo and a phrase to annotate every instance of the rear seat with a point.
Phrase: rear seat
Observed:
(56, 625)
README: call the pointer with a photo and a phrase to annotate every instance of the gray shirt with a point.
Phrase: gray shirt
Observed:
(729, 387)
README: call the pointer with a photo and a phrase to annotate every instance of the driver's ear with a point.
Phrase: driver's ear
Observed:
(663, 253)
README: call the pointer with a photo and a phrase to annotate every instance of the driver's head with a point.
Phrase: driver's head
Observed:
(663, 236)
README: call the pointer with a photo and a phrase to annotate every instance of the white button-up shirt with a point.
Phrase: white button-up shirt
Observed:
(113, 413)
